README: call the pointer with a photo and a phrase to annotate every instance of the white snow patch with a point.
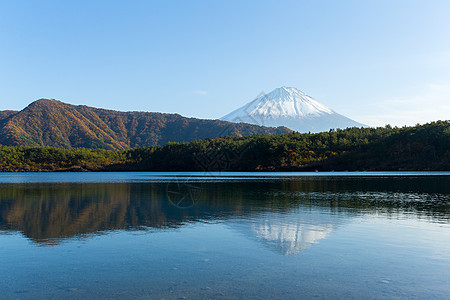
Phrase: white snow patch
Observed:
(290, 107)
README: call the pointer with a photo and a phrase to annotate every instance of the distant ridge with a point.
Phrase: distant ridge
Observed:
(54, 123)
(290, 107)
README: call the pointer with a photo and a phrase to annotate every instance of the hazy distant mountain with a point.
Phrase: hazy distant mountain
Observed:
(57, 124)
(290, 107)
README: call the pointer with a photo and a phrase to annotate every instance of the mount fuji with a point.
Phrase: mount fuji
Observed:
(290, 107)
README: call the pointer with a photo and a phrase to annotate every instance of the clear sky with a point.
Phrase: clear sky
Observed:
(377, 62)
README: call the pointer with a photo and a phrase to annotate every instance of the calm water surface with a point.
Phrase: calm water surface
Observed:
(225, 235)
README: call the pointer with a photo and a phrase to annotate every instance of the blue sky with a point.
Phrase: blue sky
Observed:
(377, 62)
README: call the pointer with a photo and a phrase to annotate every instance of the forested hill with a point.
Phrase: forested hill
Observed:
(57, 124)
(422, 147)
(6, 113)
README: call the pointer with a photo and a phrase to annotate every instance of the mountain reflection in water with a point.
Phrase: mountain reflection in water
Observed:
(290, 237)
(288, 215)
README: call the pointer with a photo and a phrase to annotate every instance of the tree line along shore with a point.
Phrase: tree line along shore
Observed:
(420, 147)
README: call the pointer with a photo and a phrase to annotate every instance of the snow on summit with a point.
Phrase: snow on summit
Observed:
(288, 102)
(290, 107)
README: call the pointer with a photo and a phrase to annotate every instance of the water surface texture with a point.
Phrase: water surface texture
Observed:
(225, 235)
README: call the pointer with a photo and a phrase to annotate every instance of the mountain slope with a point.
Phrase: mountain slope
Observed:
(292, 108)
(6, 113)
(57, 124)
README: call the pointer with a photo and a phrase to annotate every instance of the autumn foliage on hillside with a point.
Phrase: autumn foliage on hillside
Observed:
(56, 124)
(6, 113)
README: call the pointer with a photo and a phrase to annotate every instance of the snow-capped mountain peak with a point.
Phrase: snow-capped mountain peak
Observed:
(287, 101)
(290, 107)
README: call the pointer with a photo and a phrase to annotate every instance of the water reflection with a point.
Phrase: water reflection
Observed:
(292, 238)
(291, 233)
(289, 214)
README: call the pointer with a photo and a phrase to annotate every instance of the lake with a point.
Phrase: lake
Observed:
(225, 235)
